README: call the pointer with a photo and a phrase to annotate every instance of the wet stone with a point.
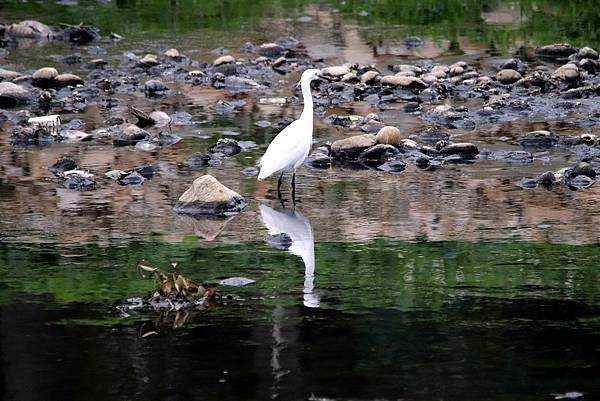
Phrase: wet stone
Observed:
(514, 64)
(79, 183)
(555, 51)
(61, 166)
(378, 154)
(508, 77)
(393, 166)
(198, 160)
(433, 135)
(279, 241)
(388, 135)
(353, 146)
(154, 86)
(464, 150)
(146, 146)
(225, 147)
(12, 95)
(579, 182)
(587, 52)
(168, 139)
(130, 136)
(131, 178)
(540, 139)
(250, 171)
(225, 107)
(270, 50)
(509, 156)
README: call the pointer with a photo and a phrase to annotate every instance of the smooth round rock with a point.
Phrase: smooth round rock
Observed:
(587, 52)
(63, 80)
(388, 135)
(508, 77)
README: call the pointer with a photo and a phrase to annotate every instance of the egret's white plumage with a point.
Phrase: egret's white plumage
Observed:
(291, 146)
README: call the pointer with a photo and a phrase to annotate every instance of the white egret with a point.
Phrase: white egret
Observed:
(291, 146)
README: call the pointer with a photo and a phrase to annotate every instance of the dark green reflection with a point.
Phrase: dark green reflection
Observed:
(349, 277)
(529, 22)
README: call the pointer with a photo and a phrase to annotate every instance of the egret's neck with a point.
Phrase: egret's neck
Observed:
(307, 113)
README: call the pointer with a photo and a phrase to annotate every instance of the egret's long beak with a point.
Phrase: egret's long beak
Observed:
(298, 84)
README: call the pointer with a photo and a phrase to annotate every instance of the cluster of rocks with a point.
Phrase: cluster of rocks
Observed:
(389, 151)
(580, 176)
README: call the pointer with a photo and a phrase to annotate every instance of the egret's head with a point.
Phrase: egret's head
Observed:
(309, 75)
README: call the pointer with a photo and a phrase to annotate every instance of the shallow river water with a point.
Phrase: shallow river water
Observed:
(451, 284)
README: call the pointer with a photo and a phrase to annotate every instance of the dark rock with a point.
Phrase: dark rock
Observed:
(378, 154)
(197, 160)
(547, 179)
(61, 166)
(514, 64)
(155, 86)
(167, 139)
(433, 135)
(225, 147)
(464, 150)
(207, 196)
(145, 171)
(509, 156)
(279, 241)
(181, 118)
(318, 160)
(224, 106)
(528, 183)
(538, 139)
(131, 178)
(393, 166)
(412, 42)
(80, 34)
(579, 182)
(79, 183)
(270, 50)
(555, 51)
(581, 169)
(31, 136)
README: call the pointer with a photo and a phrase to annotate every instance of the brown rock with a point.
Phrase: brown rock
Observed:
(405, 82)
(336, 71)
(226, 59)
(353, 146)
(68, 80)
(369, 77)
(568, 73)
(508, 77)
(388, 135)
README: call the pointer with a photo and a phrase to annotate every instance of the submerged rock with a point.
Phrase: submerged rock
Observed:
(540, 139)
(61, 166)
(207, 196)
(225, 147)
(198, 160)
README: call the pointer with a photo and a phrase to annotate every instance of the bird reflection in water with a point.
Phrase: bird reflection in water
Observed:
(297, 227)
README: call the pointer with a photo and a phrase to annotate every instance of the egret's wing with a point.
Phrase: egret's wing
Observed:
(284, 150)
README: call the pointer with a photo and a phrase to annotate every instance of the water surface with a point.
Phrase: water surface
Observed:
(426, 285)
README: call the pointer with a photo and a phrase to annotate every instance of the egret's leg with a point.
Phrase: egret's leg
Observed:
(279, 182)
(170, 130)
(294, 188)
